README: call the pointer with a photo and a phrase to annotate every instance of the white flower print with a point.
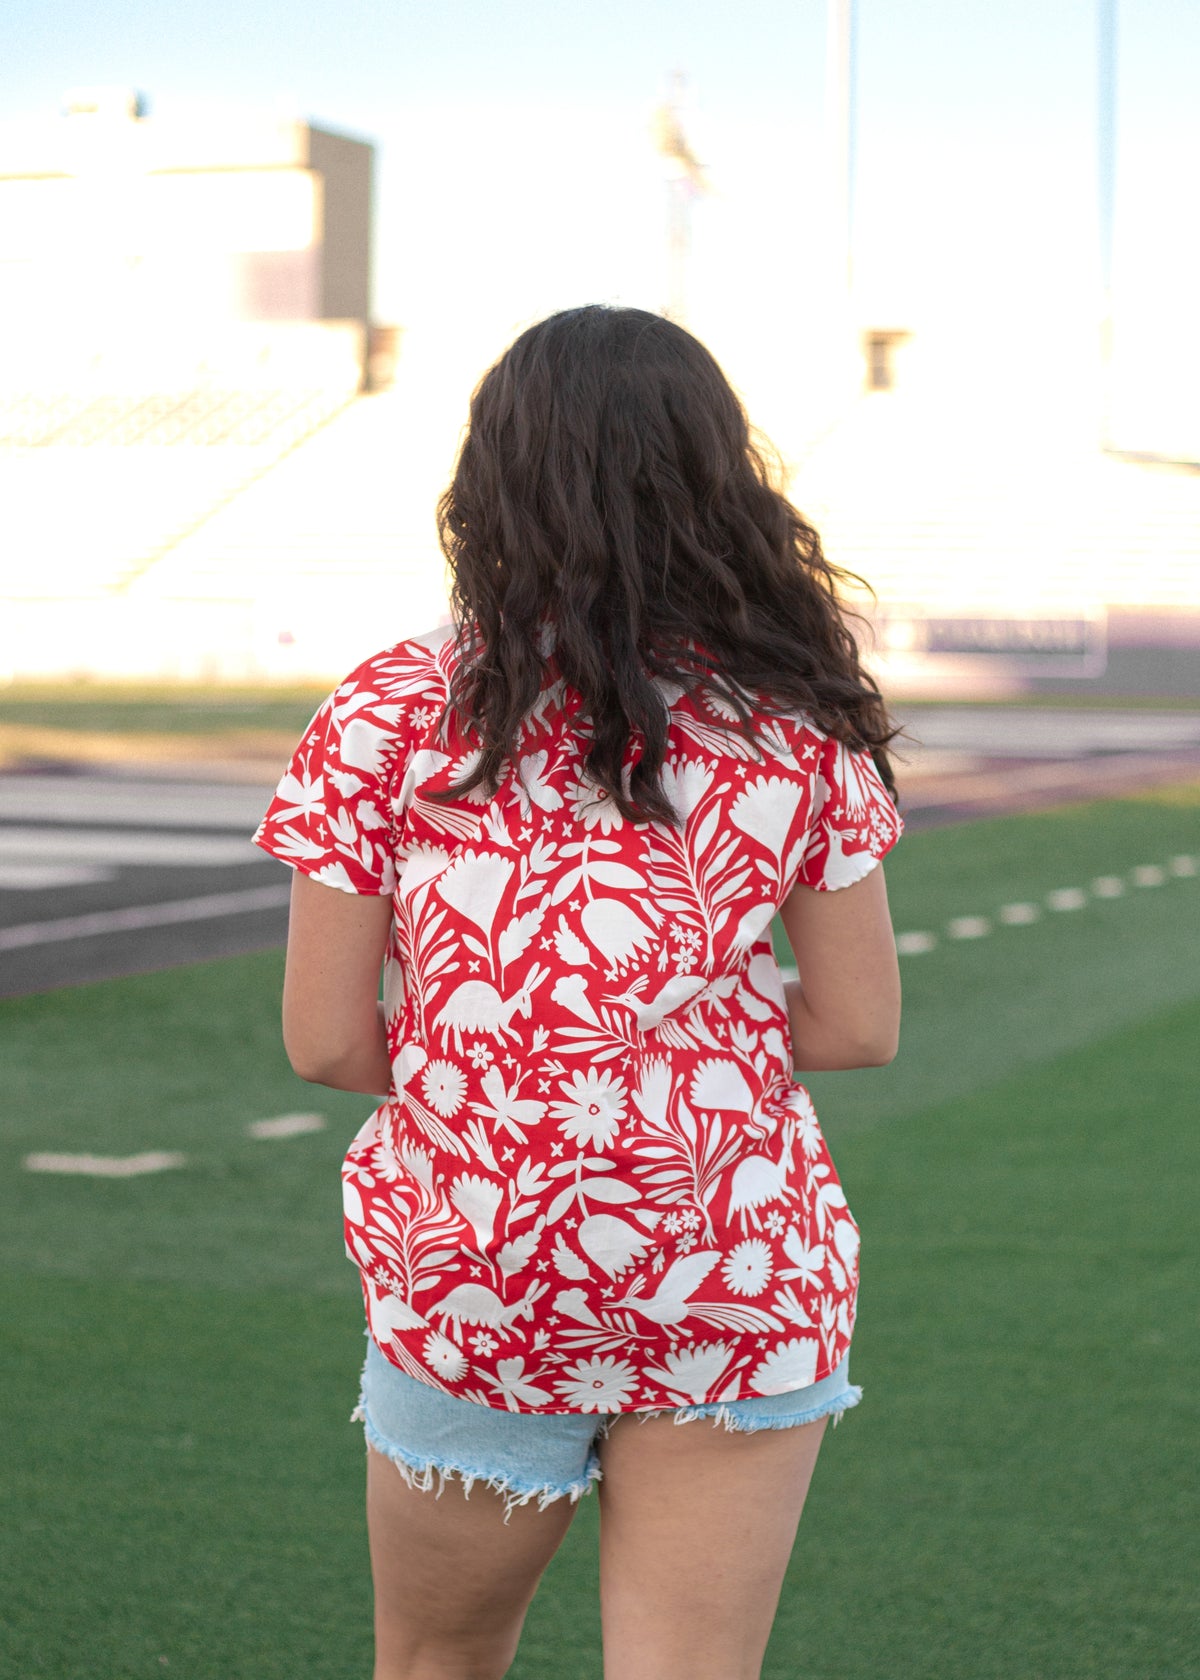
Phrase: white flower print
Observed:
(592, 1108)
(300, 795)
(334, 874)
(747, 1269)
(506, 1108)
(369, 815)
(444, 1086)
(765, 809)
(808, 1132)
(592, 1105)
(477, 1199)
(597, 1385)
(807, 1263)
(442, 1356)
(685, 783)
(595, 808)
(693, 1372)
(612, 1243)
(794, 1365)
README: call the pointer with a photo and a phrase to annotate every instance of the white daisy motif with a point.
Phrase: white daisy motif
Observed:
(597, 1385)
(794, 1365)
(592, 1108)
(442, 1356)
(595, 807)
(747, 1268)
(444, 1086)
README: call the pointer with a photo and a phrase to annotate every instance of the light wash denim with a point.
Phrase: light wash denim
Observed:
(543, 1455)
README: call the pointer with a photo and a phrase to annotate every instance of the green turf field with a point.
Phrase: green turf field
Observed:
(1010, 1500)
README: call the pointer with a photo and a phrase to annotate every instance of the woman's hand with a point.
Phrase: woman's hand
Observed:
(334, 1030)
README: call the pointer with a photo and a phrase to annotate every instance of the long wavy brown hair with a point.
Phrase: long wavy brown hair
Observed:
(609, 486)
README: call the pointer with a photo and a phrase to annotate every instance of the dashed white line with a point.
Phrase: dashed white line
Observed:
(968, 927)
(1108, 886)
(916, 942)
(286, 1125)
(1019, 915)
(107, 1166)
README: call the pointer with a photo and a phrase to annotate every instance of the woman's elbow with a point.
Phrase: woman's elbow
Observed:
(877, 1044)
(881, 1054)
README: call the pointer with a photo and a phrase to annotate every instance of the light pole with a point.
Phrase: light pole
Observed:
(685, 182)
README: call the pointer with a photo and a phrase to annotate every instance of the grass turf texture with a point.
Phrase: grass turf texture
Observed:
(183, 1480)
(158, 709)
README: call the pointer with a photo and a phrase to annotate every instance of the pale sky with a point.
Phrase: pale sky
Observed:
(516, 173)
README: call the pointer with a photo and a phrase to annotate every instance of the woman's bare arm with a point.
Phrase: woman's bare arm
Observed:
(845, 1007)
(333, 1025)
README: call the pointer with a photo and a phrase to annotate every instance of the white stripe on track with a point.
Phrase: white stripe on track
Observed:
(123, 845)
(204, 909)
(107, 1166)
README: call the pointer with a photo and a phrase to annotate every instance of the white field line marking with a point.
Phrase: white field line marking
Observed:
(106, 1166)
(968, 927)
(1019, 915)
(144, 916)
(1184, 867)
(35, 877)
(123, 845)
(286, 1125)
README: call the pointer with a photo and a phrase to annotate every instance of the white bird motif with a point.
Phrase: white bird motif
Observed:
(757, 1180)
(670, 1305)
(679, 989)
(841, 870)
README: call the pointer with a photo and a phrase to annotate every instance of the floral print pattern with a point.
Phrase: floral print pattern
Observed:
(594, 1185)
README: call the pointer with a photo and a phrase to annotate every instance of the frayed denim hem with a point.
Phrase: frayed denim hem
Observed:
(722, 1412)
(420, 1476)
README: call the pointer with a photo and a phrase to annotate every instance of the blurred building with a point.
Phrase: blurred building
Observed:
(209, 471)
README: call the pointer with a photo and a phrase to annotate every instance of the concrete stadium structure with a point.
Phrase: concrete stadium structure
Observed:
(195, 482)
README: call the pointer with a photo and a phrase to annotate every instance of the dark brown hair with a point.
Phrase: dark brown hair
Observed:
(609, 486)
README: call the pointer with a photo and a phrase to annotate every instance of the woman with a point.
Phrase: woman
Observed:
(594, 1205)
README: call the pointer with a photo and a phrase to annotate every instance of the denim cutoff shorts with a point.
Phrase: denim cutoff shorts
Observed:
(541, 1455)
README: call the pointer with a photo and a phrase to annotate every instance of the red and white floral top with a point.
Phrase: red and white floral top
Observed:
(594, 1185)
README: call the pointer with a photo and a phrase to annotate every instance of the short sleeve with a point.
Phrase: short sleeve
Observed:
(852, 821)
(331, 816)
